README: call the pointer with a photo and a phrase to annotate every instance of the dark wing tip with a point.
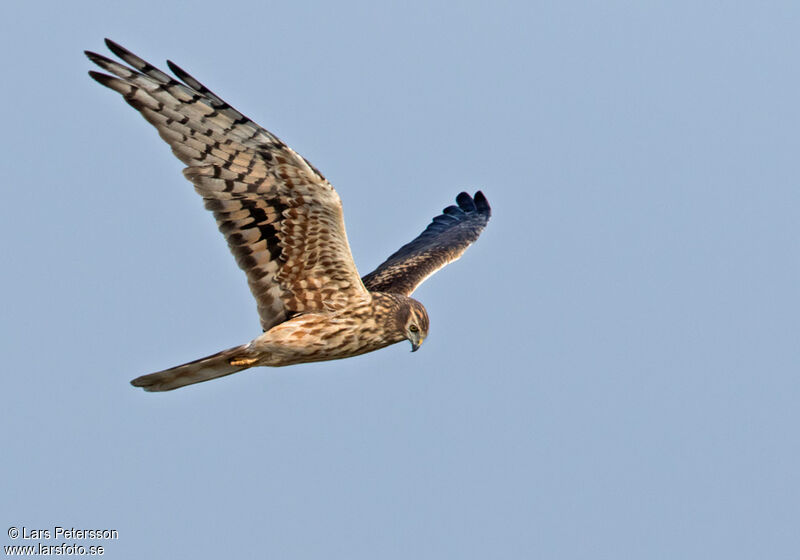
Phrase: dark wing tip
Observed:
(190, 81)
(96, 58)
(99, 77)
(138, 382)
(469, 211)
(482, 204)
(453, 210)
(145, 383)
(177, 70)
(470, 204)
(193, 83)
(116, 48)
(465, 202)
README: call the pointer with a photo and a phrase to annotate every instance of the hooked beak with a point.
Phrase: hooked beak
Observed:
(415, 344)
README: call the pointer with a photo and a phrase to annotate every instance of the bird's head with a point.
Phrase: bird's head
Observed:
(415, 325)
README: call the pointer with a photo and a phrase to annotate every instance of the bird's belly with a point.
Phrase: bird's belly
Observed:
(314, 338)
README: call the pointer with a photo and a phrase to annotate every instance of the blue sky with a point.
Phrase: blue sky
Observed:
(611, 372)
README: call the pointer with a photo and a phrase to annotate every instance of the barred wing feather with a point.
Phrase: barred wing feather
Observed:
(282, 219)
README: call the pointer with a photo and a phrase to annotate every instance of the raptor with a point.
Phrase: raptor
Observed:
(284, 225)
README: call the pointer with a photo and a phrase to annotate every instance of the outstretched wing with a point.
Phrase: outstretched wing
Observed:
(442, 242)
(282, 219)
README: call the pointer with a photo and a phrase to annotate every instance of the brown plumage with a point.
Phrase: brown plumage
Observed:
(283, 222)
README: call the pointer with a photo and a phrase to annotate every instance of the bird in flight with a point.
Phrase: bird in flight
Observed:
(284, 225)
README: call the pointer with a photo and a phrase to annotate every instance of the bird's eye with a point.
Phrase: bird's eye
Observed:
(413, 328)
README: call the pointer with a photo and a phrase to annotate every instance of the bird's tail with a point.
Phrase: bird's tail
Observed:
(217, 365)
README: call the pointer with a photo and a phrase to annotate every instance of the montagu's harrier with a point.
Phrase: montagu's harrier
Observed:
(283, 223)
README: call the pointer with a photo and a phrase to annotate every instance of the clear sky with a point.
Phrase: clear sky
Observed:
(611, 372)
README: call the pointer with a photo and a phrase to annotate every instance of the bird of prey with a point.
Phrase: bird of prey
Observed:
(283, 222)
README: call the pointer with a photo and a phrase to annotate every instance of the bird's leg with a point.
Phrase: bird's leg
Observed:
(242, 361)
